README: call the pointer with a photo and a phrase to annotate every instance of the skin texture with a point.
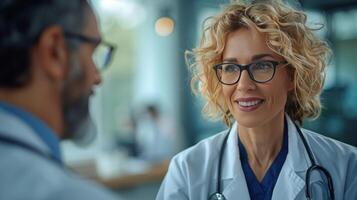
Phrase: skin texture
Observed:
(261, 129)
(51, 75)
(89, 76)
(79, 83)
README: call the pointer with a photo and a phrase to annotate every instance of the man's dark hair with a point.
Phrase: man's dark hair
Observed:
(21, 24)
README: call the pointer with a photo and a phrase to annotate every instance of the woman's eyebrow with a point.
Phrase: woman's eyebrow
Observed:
(254, 58)
(229, 60)
(259, 56)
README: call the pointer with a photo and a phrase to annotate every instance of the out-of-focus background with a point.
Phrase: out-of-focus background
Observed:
(145, 110)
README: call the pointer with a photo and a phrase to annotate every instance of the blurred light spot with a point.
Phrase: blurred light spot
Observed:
(129, 13)
(164, 26)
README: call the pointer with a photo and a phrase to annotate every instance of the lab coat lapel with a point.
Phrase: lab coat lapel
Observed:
(288, 185)
(291, 179)
(236, 188)
(234, 185)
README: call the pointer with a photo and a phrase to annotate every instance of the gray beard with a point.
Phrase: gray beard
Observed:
(79, 126)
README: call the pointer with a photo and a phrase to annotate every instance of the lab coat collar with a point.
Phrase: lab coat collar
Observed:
(231, 160)
(232, 173)
(290, 181)
(297, 157)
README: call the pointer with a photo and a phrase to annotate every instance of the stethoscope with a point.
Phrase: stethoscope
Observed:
(218, 195)
(30, 148)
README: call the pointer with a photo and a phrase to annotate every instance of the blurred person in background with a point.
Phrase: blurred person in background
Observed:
(156, 135)
(47, 75)
(262, 69)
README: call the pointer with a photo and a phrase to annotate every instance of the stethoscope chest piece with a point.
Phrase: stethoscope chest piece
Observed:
(217, 196)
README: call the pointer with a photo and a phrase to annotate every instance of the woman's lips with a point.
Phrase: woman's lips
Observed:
(249, 104)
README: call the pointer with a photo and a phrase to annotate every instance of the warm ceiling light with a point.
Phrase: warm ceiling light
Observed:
(164, 26)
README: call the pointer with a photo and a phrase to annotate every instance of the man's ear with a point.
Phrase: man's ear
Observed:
(52, 53)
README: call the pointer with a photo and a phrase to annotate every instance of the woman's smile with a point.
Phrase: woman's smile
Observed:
(249, 104)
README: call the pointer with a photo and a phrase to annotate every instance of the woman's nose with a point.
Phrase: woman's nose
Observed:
(245, 82)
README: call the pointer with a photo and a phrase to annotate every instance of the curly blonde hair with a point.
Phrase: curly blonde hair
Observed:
(287, 34)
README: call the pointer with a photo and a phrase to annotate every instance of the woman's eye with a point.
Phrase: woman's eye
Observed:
(230, 68)
(262, 66)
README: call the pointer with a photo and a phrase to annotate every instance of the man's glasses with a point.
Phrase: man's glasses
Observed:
(261, 72)
(103, 53)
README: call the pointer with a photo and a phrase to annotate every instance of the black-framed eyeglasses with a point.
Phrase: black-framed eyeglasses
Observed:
(229, 73)
(103, 53)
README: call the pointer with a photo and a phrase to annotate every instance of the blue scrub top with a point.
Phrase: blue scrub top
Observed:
(264, 190)
(44, 132)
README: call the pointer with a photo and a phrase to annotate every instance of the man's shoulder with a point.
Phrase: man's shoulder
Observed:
(35, 177)
(79, 188)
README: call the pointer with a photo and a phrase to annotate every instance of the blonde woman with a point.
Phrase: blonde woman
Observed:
(261, 70)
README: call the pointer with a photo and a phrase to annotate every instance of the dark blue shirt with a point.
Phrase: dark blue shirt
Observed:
(263, 190)
(44, 132)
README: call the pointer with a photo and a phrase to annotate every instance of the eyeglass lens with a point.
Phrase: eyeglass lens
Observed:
(229, 73)
(102, 56)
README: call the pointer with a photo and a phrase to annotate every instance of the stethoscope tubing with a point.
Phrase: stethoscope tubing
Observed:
(219, 195)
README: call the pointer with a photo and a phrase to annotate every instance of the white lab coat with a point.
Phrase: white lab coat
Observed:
(27, 175)
(192, 173)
